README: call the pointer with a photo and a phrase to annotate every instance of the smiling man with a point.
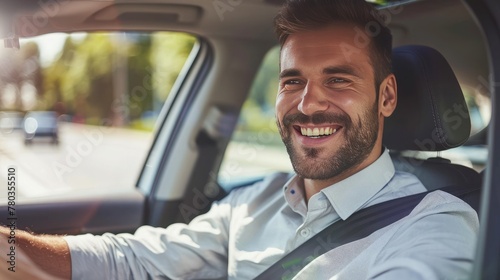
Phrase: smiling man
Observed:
(335, 90)
(330, 108)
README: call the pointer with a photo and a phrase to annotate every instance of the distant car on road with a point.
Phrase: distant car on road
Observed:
(41, 124)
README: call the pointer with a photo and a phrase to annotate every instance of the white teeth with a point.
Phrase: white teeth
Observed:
(314, 132)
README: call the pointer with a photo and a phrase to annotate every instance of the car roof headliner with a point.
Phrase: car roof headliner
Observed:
(195, 16)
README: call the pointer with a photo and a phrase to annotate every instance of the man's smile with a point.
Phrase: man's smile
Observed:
(317, 131)
(313, 135)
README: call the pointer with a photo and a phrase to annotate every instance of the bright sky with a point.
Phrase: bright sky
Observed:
(51, 44)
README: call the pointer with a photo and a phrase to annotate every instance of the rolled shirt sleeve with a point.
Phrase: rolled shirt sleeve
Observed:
(194, 251)
(198, 250)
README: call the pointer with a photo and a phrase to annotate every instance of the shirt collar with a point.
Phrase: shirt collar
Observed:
(294, 195)
(350, 194)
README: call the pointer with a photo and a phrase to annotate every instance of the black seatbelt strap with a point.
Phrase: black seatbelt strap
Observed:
(359, 225)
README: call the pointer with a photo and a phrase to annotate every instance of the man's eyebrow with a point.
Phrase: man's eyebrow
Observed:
(290, 73)
(341, 69)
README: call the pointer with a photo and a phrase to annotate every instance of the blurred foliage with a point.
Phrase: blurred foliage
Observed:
(19, 69)
(118, 79)
(258, 110)
(122, 79)
(381, 2)
(168, 54)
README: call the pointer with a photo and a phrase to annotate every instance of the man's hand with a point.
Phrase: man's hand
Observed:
(35, 257)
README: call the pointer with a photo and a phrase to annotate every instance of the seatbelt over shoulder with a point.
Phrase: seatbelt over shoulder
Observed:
(359, 225)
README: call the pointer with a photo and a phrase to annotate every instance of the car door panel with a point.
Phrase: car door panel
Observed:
(76, 213)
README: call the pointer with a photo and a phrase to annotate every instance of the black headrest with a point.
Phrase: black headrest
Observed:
(431, 114)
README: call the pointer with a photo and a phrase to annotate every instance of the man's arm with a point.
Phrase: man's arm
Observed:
(36, 255)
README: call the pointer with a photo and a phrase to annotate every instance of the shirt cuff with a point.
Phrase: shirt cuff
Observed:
(85, 252)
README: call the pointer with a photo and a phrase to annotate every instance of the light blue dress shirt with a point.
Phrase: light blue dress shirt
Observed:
(253, 227)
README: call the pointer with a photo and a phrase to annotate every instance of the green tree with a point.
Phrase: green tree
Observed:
(58, 87)
(115, 76)
(258, 110)
(21, 68)
(169, 52)
(140, 87)
(265, 85)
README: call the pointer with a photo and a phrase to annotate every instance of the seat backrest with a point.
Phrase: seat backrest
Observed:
(431, 115)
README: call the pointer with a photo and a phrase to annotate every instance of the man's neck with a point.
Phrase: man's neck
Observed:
(312, 187)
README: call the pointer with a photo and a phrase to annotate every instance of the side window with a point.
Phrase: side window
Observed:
(473, 155)
(78, 111)
(479, 110)
(256, 148)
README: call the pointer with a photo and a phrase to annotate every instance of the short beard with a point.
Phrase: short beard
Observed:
(360, 139)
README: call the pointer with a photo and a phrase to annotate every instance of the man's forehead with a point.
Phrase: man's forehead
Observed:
(334, 34)
(333, 39)
(332, 44)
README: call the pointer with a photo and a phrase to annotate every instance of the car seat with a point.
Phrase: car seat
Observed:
(431, 115)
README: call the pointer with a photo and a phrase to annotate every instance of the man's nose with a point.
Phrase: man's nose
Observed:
(313, 100)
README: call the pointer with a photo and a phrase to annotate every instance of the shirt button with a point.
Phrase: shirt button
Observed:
(305, 232)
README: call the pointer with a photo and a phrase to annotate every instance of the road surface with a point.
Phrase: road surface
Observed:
(86, 157)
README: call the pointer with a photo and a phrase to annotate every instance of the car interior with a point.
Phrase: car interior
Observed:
(428, 92)
(444, 55)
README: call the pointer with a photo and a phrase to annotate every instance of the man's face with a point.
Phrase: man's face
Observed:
(326, 109)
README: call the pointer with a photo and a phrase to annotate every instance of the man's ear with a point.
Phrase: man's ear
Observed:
(388, 97)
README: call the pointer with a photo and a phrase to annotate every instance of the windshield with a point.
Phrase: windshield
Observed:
(78, 110)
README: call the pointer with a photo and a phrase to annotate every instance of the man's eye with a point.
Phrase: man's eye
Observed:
(338, 80)
(291, 82)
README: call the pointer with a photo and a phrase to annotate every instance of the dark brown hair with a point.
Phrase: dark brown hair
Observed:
(302, 15)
